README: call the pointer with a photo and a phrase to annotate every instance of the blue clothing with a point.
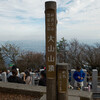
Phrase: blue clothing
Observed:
(81, 74)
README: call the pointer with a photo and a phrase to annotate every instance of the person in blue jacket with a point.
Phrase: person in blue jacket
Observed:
(79, 76)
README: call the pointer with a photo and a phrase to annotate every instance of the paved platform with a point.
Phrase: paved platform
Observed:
(69, 98)
(37, 91)
(74, 95)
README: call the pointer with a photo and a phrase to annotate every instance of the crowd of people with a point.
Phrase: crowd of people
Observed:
(14, 76)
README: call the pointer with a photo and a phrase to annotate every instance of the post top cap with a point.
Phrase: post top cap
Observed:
(51, 1)
(95, 70)
(84, 69)
(50, 5)
(72, 69)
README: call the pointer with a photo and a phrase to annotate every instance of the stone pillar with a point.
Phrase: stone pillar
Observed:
(94, 79)
(18, 72)
(33, 78)
(85, 79)
(62, 81)
(4, 77)
(21, 74)
(72, 79)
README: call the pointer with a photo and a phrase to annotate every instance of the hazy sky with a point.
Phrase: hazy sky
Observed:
(24, 19)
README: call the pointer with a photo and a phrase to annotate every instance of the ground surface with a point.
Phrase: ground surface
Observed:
(70, 98)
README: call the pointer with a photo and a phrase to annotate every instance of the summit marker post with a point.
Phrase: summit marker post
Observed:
(50, 30)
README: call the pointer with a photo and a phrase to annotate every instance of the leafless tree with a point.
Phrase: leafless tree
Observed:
(92, 55)
(30, 59)
(10, 51)
(2, 62)
(78, 54)
(75, 53)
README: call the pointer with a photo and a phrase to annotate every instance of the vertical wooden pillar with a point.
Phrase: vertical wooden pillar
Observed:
(62, 80)
(51, 21)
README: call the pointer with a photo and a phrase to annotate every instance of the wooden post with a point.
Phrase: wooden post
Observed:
(62, 80)
(51, 21)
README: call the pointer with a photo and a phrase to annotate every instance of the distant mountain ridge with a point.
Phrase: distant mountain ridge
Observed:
(39, 46)
(35, 46)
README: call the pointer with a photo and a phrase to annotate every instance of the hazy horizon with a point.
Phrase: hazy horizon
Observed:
(39, 46)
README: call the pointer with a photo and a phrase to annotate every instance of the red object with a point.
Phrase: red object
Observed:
(44, 67)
